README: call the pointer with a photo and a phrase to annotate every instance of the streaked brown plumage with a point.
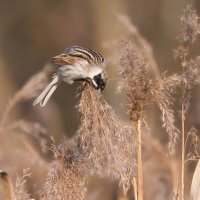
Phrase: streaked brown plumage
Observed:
(75, 64)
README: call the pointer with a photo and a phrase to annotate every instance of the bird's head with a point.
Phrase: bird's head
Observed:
(99, 81)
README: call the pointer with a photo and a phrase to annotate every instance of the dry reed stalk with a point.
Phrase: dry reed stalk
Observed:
(190, 28)
(182, 153)
(139, 162)
(30, 90)
(32, 136)
(136, 98)
(124, 198)
(142, 91)
(135, 188)
(6, 186)
(34, 130)
(163, 174)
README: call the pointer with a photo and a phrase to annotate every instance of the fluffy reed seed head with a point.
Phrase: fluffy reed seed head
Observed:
(190, 28)
(189, 25)
(163, 94)
(142, 91)
(67, 175)
(107, 140)
(135, 80)
(20, 190)
(192, 72)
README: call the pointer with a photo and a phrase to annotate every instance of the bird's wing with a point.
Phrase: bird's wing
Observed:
(64, 60)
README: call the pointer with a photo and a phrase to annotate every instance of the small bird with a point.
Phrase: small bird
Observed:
(76, 64)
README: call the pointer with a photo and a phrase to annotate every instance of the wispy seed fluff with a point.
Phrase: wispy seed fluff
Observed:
(190, 28)
(142, 91)
(68, 173)
(108, 141)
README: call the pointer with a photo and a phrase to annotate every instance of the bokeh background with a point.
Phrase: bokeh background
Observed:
(33, 31)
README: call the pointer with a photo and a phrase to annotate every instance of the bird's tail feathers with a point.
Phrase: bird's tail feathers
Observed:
(46, 94)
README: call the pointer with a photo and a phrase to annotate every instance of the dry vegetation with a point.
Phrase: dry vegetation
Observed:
(105, 145)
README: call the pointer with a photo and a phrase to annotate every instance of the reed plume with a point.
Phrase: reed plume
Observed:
(20, 190)
(108, 141)
(66, 178)
(190, 29)
(143, 91)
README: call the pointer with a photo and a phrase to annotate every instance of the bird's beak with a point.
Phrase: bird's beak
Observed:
(58, 60)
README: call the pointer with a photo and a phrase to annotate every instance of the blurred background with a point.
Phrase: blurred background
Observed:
(32, 32)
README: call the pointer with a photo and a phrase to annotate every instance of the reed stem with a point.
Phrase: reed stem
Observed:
(139, 162)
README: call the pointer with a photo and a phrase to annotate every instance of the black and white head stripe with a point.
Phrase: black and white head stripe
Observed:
(91, 56)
